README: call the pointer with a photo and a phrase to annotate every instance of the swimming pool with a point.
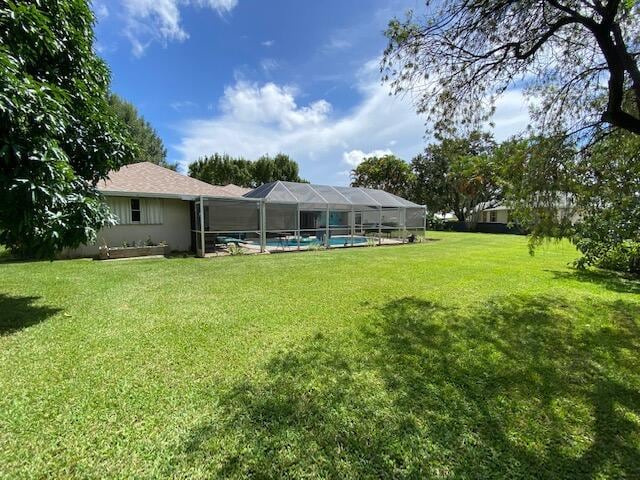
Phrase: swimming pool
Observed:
(307, 241)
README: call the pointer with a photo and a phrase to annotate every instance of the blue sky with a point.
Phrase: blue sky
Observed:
(256, 77)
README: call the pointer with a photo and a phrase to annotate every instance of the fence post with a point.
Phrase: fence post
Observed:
(326, 234)
(202, 236)
(263, 233)
(404, 225)
(353, 224)
(380, 225)
(298, 225)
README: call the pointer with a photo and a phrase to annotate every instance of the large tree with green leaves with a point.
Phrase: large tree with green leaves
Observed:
(281, 167)
(539, 180)
(457, 174)
(386, 172)
(58, 134)
(590, 196)
(150, 147)
(608, 201)
(222, 169)
(579, 58)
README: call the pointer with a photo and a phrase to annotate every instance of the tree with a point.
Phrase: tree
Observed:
(388, 173)
(579, 58)
(149, 145)
(223, 169)
(457, 174)
(280, 167)
(220, 169)
(608, 202)
(537, 175)
(58, 135)
(589, 195)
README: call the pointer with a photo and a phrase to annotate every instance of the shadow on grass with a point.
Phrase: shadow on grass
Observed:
(17, 313)
(617, 282)
(524, 387)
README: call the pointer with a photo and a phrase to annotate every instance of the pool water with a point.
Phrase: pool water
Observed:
(306, 241)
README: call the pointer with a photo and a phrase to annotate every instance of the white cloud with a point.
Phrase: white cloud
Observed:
(271, 104)
(105, 48)
(269, 65)
(355, 157)
(159, 20)
(268, 43)
(182, 105)
(337, 44)
(512, 114)
(255, 119)
(100, 9)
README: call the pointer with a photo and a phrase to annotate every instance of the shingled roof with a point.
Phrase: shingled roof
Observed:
(236, 189)
(149, 179)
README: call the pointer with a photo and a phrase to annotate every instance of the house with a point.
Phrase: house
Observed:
(155, 204)
(492, 212)
(495, 214)
(497, 218)
(152, 202)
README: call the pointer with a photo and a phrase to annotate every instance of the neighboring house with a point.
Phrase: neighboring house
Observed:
(497, 214)
(152, 202)
(493, 217)
(500, 214)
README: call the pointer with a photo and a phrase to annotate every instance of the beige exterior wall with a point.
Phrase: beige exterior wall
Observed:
(175, 229)
(502, 216)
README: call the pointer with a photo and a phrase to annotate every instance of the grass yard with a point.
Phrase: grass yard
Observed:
(458, 358)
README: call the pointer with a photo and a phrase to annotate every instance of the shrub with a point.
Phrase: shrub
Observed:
(234, 249)
(624, 257)
(316, 246)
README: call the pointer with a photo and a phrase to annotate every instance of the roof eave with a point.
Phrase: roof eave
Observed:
(178, 196)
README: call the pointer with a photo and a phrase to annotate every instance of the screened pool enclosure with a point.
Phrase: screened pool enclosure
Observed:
(285, 216)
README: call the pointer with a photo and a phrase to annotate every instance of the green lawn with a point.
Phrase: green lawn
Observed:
(457, 358)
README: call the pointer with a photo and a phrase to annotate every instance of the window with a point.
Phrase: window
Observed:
(339, 219)
(135, 210)
(493, 216)
(310, 219)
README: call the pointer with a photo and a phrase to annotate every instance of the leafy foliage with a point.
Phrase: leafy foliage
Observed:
(223, 169)
(537, 176)
(387, 172)
(150, 147)
(457, 174)
(58, 136)
(578, 58)
(235, 250)
(588, 195)
(280, 167)
(608, 234)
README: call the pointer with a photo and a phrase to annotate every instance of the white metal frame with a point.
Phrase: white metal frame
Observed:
(262, 231)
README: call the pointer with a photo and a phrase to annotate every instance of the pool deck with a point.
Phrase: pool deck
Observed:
(250, 249)
(294, 248)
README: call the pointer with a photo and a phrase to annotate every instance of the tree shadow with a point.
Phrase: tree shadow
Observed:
(17, 313)
(614, 281)
(522, 387)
